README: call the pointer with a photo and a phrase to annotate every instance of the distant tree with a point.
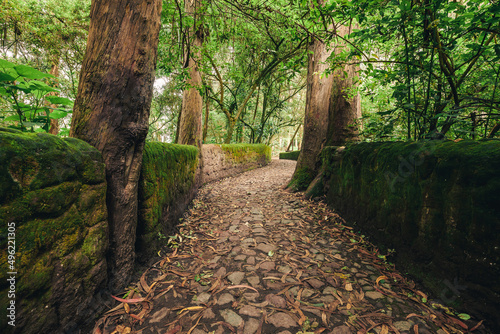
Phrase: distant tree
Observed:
(112, 108)
(319, 89)
(190, 119)
(345, 102)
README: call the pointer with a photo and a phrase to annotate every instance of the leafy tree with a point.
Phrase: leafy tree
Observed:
(48, 35)
(439, 59)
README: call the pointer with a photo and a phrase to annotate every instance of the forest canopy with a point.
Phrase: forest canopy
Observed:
(425, 68)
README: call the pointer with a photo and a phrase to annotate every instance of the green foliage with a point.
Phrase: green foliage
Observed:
(29, 106)
(294, 155)
(44, 34)
(429, 66)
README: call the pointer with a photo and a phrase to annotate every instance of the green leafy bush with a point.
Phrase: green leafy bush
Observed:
(27, 105)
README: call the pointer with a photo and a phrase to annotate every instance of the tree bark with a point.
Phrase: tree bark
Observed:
(54, 123)
(207, 117)
(190, 129)
(316, 117)
(112, 109)
(345, 107)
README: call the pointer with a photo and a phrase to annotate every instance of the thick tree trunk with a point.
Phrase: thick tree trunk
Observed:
(316, 117)
(345, 106)
(112, 109)
(190, 129)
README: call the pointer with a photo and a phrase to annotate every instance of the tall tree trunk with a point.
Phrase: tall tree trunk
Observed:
(190, 129)
(345, 108)
(112, 109)
(316, 117)
(54, 123)
(207, 114)
(231, 123)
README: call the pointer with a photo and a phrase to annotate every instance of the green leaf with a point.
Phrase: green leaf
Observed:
(6, 64)
(59, 100)
(6, 77)
(31, 73)
(41, 86)
(464, 316)
(12, 118)
(56, 114)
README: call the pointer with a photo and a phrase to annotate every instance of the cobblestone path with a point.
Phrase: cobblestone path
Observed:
(253, 258)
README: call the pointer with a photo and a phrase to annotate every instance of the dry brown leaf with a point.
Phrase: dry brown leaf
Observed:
(338, 257)
(384, 330)
(348, 287)
(324, 318)
(380, 278)
(242, 286)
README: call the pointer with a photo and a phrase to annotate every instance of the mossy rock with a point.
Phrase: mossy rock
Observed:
(54, 191)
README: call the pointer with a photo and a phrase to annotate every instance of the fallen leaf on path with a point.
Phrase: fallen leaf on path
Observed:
(130, 301)
(242, 286)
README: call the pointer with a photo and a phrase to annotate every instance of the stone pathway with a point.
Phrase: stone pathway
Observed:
(253, 258)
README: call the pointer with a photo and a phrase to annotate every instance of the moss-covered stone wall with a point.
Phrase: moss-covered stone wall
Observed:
(170, 177)
(220, 161)
(166, 186)
(437, 203)
(53, 191)
(293, 155)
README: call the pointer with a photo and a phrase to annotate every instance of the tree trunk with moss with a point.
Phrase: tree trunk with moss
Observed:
(316, 117)
(112, 109)
(190, 123)
(345, 102)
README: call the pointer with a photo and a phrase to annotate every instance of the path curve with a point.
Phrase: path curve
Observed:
(254, 258)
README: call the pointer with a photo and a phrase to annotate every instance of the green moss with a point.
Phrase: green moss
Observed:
(293, 155)
(168, 173)
(244, 153)
(301, 179)
(435, 202)
(95, 243)
(54, 190)
(36, 277)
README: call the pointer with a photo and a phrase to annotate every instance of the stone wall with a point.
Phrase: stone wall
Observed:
(437, 203)
(293, 155)
(166, 187)
(170, 178)
(53, 190)
(220, 161)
